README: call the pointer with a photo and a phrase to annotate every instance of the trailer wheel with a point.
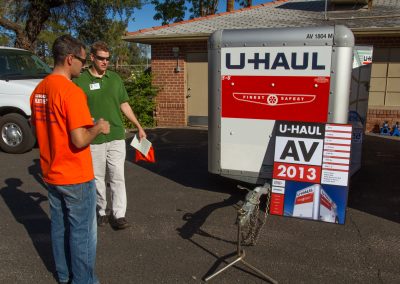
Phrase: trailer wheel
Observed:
(16, 134)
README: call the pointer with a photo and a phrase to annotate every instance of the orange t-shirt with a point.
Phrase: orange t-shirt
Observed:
(59, 106)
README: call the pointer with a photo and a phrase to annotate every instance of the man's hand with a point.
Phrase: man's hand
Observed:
(81, 137)
(127, 110)
(103, 125)
(142, 134)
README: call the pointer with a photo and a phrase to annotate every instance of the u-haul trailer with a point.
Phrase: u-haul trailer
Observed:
(314, 203)
(259, 76)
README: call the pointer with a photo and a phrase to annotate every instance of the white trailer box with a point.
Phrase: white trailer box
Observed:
(259, 76)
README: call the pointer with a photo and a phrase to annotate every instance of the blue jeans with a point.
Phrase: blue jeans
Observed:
(74, 231)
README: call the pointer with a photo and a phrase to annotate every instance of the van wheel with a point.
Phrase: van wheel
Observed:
(16, 134)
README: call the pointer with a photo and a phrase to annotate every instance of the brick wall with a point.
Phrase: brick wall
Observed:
(171, 108)
(376, 117)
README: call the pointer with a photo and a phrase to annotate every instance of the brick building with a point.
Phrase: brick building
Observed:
(179, 52)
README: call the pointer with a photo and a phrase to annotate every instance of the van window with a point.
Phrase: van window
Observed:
(18, 64)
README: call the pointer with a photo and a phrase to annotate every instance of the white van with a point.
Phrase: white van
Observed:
(20, 72)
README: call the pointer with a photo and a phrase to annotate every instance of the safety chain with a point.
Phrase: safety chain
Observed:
(251, 231)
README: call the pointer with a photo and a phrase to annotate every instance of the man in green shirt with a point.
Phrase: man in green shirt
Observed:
(108, 99)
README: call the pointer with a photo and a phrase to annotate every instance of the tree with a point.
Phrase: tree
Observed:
(27, 18)
(174, 10)
(169, 11)
(244, 3)
(4, 40)
(201, 8)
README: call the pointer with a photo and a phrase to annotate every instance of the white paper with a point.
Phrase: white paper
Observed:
(142, 146)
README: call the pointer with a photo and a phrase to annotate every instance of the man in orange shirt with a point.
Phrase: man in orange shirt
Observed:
(64, 129)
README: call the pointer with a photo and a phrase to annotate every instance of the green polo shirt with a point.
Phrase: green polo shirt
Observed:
(105, 96)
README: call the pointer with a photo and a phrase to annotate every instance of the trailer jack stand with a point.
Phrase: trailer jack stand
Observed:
(241, 254)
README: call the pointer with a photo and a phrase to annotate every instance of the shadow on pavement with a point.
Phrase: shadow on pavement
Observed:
(194, 221)
(35, 171)
(181, 156)
(26, 210)
(375, 188)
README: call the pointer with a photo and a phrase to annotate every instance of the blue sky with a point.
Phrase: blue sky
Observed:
(144, 17)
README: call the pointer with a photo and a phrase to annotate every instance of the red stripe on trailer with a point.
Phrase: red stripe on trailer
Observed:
(291, 98)
(325, 202)
(307, 198)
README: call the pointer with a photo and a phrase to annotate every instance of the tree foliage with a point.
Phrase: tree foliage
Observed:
(169, 10)
(201, 8)
(27, 19)
(172, 11)
(245, 3)
(141, 94)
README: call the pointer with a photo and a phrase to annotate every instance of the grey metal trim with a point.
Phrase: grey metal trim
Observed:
(343, 36)
(271, 37)
(341, 69)
(214, 103)
(244, 178)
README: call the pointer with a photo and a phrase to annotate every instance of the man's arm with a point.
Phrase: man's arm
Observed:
(128, 112)
(81, 137)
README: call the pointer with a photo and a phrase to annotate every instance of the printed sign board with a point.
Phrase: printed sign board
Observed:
(362, 56)
(311, 170)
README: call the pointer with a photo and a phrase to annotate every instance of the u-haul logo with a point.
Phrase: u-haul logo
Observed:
(293, 60)
(277, 61)
(274, 99)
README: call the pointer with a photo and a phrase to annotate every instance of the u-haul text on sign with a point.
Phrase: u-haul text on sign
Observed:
(287, 83)
(298, 151)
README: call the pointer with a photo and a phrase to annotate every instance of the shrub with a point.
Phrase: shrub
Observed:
(141, 94)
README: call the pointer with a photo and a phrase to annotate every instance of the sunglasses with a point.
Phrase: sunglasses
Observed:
(82, 60)
(101, 58)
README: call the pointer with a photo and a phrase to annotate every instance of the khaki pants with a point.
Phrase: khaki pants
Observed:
(110, 157)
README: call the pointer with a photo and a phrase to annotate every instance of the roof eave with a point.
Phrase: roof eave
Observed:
(385, 31)
(148, 39)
